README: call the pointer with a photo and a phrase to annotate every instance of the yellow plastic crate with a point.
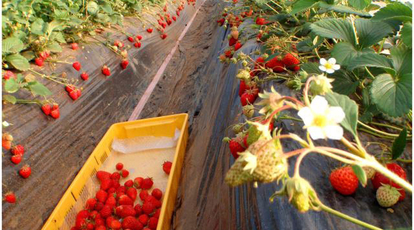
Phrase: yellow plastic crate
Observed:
(159, 126)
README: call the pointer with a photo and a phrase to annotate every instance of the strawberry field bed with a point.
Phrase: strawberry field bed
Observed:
(196, 81)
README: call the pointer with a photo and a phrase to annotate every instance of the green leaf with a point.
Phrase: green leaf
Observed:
(371, 60)
(12, 45)
(302, 5)
(9, 98)
(29, 55)
(11, 85)
(342, 9)
(54, 47)
(39, 89)
(344, 52)
(396, 10)
(359, 4)
(106, 7)
(18, 61)
(407, 34)
(38, 27)
(350, 109)
(399, 144)
(335, 28)
(92, 7)
(311, 68)
(392, 97)
(344, 83)
(370, 33)
(402, 59)
(360, 173)
(58, 36)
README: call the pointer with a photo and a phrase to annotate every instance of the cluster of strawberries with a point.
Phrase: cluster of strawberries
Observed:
(345, 181)
(42, 57)
(116, 206)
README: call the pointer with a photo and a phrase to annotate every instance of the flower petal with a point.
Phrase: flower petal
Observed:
(306, 114)
(319, 105)
(322, 61)
(334, 132)
(323, 68)
(336, 67)
(330, 70)
(335, 114)
(332, 61)
(316, 132)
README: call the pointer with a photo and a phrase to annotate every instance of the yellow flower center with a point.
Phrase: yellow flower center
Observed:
(320, 120)
(328, 65)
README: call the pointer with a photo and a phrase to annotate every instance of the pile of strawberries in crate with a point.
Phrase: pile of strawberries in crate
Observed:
(117, 206)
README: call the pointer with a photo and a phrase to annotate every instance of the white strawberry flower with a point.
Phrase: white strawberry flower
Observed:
(329, 65)
(321, 120)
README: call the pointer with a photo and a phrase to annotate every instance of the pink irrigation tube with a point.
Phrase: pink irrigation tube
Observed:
(144, 99)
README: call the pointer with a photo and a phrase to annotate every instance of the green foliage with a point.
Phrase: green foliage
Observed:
(399, 144)
(349, 107)
(360, 173)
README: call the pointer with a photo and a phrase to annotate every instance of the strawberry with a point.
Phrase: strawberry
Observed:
(167, 167)
(25, 171)
(10, 198)
(344, 180)
(100, 227)
(116, 176)
(178, 13)
(137, 44)
(80, 223)
(17, 150)
(16, 159)
(8, 74)
(6, 144)
(149, 30)
(101, 196)
(39, 61)
(106, 211)
(111, 201)
(75, 94)
(248, 97)
(236, 147)
(139, 37)
(259, 61)
(260, 21)
(106, 71)
(163, 36)
(99, 205)
(124, 173)
(380, 179)
(291, 62)
(169, 21)
(174, 18)
(69, 88)
(132, 223)
(232, 41)
(157, 213)
(84, 76)
(44, 55)
(147, 183)
(76, 65)
(108, 220)
(242, 88)
(125, 210)
(90, 203)
(129, 183)
(237, 46)
(143, 219)
(83, 214)
(90, 226)
(138, 209)
(276, 65)
(115, 224)
(221, 21)
(74, 46)
(138, 182)
(132, 193)
(143, 194)
(152, 223)
(119, 166)
(55, 113)
(387, 195)
(125, 200)
(102, 175)
(131, 39)
(228, 53)
(124, 63)
(153, 201)
(157, 193)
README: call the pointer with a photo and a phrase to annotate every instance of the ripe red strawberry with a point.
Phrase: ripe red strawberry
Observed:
(100, 227)
(344, 180)
(260, 21)
(152, 223)
(84, 76)
(25, 171)
(80, 223)
(291, 62)
(119, 166)
(69, 88)
(44, 55)
(157, 213)
(108, 220)
(139, 37)
(39, 61)
(10, 198)
(157, 193)
(228, 53)
(125, 200)
(143, 219)
(106, 71)
(106, 211)
(236, 147)
(111, 201)
(167, 167)
(125, 210)
(132, 193)
(248, 97)
(174, 18)
(148, 208)
(232, 41)
(16, 159)
(124, 63)
(90, 203)
(153, 201)
(17, 150)
(143, 194)
(138, 209)
(74, 46)
(276, 64)
(147, 183)
(99, 205)
(163, 36)
(124, 173)
(242, 88)
(115, 176)
(221, 21)
(46, 109)
(90, 226)
(115, 224)
(149, 30)
(75, 94)
(55, 111)
(259, 62)
(178, 13)
(169, 21)
(8, 74)
(129, 183)
(131, 223)
(237, 46)
(137, 44)
(131, 39)
(101, 196)
(102, 175)
(380, 179)
(138, 182)
(76, 65)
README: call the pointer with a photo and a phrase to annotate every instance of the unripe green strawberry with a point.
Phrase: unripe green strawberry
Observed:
(237, 128)
(299, 192)
(387, 195)
(300, 201)
(370, 172)
(248, 111)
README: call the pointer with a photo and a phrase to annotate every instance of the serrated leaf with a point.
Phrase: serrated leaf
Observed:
(58, 36)
(29, 55)
(92, 7)
(370, 32)
(335, 28)
(402, 59)
(12, 45)
(398, 146)
(344, 83)
(396, 11)
(38, 27)
(342, 9)
(54, 47)
(39, 89)
(302, 5)
(106, 7)
(18, 61)
(11, 86)
(407, 34)
(311, 68)
(344, 52)
(349, 107)
(360, 173)
(9, 98)
(371, 60)
(392, 97)
(359, 4)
